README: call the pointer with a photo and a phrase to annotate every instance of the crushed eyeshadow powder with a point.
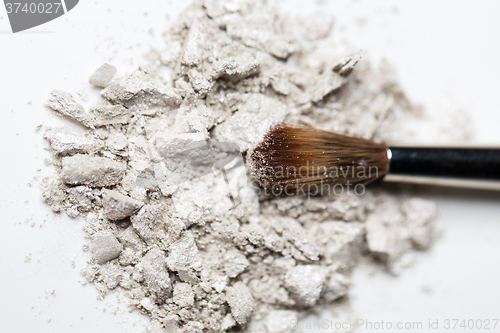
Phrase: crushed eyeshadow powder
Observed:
(200, 251)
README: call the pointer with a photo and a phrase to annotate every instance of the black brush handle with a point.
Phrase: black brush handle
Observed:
(463, 163)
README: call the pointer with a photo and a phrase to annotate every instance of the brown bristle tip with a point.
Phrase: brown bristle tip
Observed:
(292, 156)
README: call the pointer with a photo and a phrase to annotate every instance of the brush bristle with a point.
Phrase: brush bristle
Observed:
(292, 156)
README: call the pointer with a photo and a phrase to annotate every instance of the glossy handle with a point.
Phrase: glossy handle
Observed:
(463, 163)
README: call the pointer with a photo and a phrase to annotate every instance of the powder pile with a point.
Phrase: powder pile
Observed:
(199, 250)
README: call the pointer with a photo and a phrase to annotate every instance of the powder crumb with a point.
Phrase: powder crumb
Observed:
(83, 94)
(65, 104)
(183, 295)
(103, 75)
(234, 263)
(280, 321)
(227, 323)
(174, 223)
(28, 258)
(427, 288)
(105, 247)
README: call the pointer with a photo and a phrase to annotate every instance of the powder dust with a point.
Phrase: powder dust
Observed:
(172, 219)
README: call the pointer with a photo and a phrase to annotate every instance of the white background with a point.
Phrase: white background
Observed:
(439, 48)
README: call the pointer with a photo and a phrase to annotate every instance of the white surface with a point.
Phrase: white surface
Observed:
(445, 47)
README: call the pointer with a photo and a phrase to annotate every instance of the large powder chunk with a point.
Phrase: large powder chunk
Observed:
(305, 282)
(183, 295)
(144, 221)
(234, 263)
(241, 302)
(142, 89)
(155, 274)
(118, 206)
(258, 30)
(65, 104)
(65, 143)
(193, 146)
(91, 170)
(105, 247)
(183, 254)
(231, 60)
(106, 114)
(393, 232)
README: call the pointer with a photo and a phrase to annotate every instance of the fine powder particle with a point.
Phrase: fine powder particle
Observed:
(205, 251)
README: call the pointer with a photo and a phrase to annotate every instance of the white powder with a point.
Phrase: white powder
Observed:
(199, 250)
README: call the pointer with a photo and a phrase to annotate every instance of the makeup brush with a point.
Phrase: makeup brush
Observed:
(293, 157)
